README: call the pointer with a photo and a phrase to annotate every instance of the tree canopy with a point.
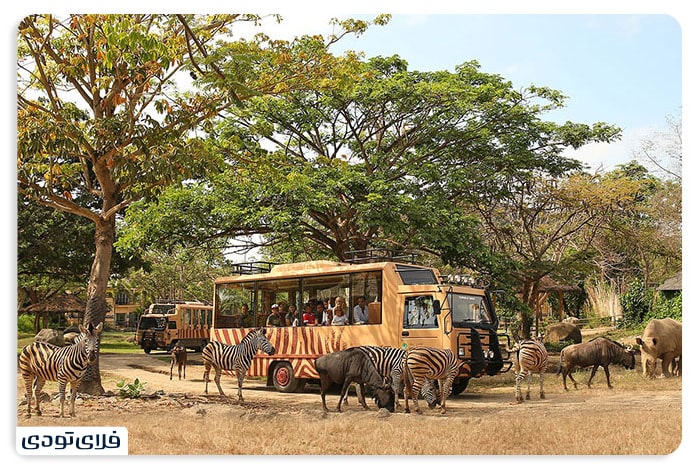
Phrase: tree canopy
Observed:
(382, 159)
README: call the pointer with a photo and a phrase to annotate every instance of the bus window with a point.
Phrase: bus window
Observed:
(171, 325)
(419, 313)
(468, 308)
(229, 299)
(325, 288)
(369, 286)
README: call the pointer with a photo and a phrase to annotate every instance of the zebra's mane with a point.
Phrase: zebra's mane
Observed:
(250, 336)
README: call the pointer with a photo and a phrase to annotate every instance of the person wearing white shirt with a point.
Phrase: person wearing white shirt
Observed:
(360, 311)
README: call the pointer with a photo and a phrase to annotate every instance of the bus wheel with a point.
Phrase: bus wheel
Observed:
(459, 386)
(284, 379)
(147, 350)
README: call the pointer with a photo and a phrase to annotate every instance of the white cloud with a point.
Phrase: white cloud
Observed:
(606, 156)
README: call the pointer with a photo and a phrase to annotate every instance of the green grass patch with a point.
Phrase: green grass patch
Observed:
(111, 342)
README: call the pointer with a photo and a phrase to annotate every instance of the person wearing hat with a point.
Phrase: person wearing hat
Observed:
(275, 320)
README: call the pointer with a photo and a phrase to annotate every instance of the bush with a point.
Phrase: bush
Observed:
(635, 303)
(556, 347)
(25, 323)
(666, 307)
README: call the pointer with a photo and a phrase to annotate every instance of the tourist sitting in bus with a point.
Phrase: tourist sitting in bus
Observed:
(339, 313)
(246, 319)
(340, 304)
(360, 311)
(275, 320)
(291, 319)
(308, 316)
(323, 315)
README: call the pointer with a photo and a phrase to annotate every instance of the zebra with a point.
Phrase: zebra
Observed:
(531, 357)
(40, 362)
(422, 363)
(234, 357)
(389, 363)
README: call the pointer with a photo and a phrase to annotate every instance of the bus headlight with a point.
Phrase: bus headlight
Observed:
(462, 352)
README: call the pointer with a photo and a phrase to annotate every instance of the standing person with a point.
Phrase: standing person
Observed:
(275, 320)
(291, 319)
(323, 316)
(308, 316)
(360, 311)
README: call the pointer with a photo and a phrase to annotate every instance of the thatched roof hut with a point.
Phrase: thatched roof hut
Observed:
(58, 304)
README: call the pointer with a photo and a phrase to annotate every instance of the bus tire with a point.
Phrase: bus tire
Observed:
(147, 350)
(459, 386)
(204, 343)
(284, 379)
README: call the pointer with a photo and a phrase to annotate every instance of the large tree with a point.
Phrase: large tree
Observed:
(381, 158)
(550, 226)
(100, 116)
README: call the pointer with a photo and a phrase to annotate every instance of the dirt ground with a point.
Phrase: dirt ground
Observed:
(574, 422)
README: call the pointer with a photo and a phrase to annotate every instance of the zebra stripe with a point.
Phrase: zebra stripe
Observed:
(236, 358)
(389, 363)
(422, 363)
(40, 362)
(531, 357)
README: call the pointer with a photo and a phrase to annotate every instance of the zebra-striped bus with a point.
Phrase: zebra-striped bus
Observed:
(166, 323)
(405, 305)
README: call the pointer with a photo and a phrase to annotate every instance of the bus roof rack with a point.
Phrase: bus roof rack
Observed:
(251, 268)
(380, 255)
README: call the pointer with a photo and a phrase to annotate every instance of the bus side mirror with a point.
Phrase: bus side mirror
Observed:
(436, 307)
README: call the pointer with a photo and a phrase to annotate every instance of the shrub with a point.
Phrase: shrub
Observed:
(556, 347)
(25, 323)
(666, 307)
(635, 303)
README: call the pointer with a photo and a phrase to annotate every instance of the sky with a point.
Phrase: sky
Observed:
(622, 69)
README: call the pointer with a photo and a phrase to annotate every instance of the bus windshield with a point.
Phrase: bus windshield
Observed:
(147, 323)
(468, 309)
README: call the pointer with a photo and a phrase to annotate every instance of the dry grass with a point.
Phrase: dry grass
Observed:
(637, 417)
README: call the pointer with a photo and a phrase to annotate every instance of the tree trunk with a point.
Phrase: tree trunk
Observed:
(97, 307)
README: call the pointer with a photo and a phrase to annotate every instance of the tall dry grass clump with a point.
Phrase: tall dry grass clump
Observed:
(604, 299)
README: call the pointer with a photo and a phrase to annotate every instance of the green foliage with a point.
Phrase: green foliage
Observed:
(665, 307)
(130, 390)
(557, 347)
(635, 303)
(25, 323)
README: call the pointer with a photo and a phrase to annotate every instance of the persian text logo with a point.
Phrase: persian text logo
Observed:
(74, 440)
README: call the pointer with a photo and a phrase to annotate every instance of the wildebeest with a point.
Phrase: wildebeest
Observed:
(178, 357)
(661, 339)
(600, 351)
(348, 366)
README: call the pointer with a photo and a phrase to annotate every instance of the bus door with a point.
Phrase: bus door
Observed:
(420, 323)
